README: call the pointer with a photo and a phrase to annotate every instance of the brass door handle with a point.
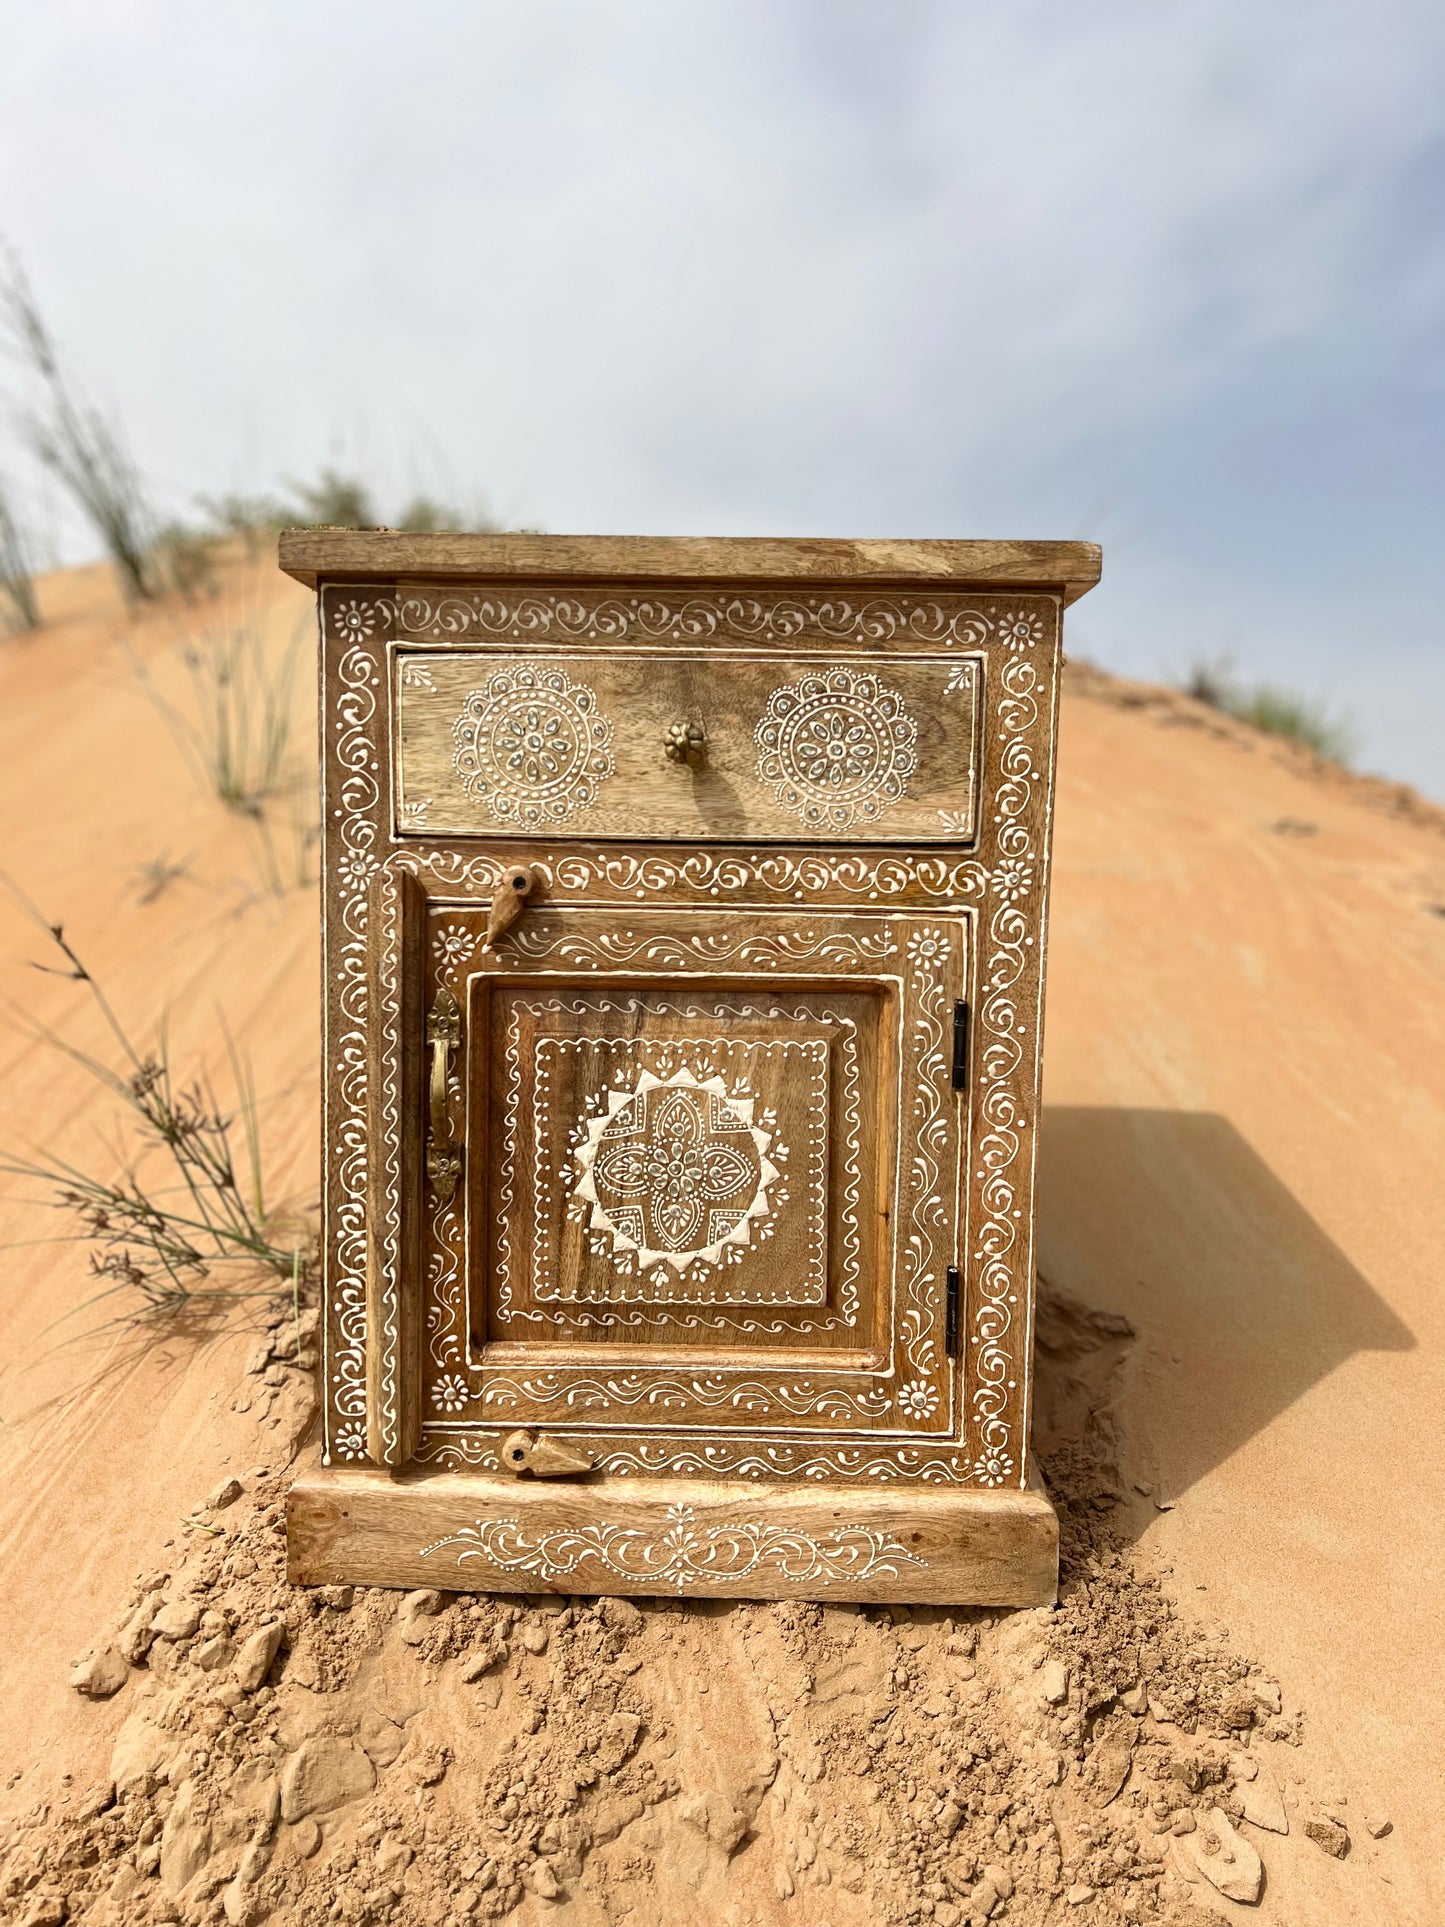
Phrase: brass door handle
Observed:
(443, 1036)
(686, 743)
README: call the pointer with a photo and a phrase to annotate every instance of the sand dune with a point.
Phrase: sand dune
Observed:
(1243, 1158)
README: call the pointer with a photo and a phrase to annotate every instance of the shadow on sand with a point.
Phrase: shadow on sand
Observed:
(1240, 1303)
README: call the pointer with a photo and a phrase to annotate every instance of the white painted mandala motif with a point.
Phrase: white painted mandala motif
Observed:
(675, 1171)
(836, 747)
(532, 745)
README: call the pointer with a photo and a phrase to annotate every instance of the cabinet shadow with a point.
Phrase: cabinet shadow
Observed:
(1240, 1303)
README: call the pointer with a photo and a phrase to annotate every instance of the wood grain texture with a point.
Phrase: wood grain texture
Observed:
(712, 1540)
(311, 555)
(819, 746)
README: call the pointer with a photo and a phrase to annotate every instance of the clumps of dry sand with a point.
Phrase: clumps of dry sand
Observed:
(355, 1756)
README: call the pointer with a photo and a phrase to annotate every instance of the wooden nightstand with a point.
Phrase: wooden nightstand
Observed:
(684, 926)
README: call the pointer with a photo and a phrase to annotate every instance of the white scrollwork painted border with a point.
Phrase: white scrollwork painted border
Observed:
(505, 614)
(683, 1554)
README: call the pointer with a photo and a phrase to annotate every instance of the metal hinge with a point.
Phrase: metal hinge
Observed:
(960, 1045)
(950, 1315)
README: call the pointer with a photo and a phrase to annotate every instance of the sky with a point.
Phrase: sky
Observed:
(1169, 278)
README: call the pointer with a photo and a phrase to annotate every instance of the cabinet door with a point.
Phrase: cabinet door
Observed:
(710, 1174)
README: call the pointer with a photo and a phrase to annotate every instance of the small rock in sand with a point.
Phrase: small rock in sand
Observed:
(185, 1840)
(715, 1816)
(179, 1620)
(1328, 1835)
(1216, 1853)
(243, 1905)
(414, 1611)
(540, 1878)
(1377, 1825)
(141, 1749)
(257, 1655)
(45, 1910)
(1054, 1681)
(215, 1653)
(324, 1773)
(1078, 1894)
(535, 1638)
(306, 1838)
(226, 1493)
(101, 1674)
(382, 1738)
(1263, 1803)
(137, 1635)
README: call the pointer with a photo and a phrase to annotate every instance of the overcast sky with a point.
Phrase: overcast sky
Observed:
(1170, 277)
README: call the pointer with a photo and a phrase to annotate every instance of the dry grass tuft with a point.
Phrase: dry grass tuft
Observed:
(185, 1222)
(1275, 710)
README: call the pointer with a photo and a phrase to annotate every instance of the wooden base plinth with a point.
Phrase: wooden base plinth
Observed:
(906, 1544)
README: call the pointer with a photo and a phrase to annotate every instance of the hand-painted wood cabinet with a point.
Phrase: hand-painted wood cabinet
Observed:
(684, 927)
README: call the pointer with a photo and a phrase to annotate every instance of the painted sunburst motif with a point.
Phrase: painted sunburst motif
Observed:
(675, 1171)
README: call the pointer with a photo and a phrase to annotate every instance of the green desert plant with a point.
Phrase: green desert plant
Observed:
(17, 583)
(333, 501)
(236, 734)
(184, 559)
(183, 1223)
(425, 516)
(1270, 707)
(254, 518)
(83, 447)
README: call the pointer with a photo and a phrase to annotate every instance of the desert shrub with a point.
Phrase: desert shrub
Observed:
(333, 501)
(81, 446)
(236, 734)
(183, 559)
(185, 1219)
(424, 516)
(254, 518)
(1272, 708)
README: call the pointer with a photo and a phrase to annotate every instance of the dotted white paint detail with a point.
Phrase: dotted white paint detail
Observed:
(836, 748)
(532, 745)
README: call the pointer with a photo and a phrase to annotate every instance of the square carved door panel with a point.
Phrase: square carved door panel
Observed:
(714, 1171)
(684, 926)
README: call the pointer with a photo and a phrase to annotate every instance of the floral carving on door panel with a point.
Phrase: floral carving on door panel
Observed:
(675, 1171)
(836, 748)
(532, 744)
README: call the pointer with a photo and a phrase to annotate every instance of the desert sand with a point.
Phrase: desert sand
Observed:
(1241, 1390)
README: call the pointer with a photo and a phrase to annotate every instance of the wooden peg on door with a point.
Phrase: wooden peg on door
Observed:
(509, 902)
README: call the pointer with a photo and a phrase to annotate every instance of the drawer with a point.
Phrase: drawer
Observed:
(833, 748)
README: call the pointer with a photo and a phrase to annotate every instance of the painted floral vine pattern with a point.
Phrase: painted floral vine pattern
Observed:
(684, 1554)
(357, 621)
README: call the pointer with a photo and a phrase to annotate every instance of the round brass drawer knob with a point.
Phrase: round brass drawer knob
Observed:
(686, 743)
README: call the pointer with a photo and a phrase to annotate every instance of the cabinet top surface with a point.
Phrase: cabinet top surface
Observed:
(1072, 568)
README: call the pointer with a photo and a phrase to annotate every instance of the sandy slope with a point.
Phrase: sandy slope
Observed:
(1244, 1152)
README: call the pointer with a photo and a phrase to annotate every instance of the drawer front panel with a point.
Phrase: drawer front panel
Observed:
(849, 749)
